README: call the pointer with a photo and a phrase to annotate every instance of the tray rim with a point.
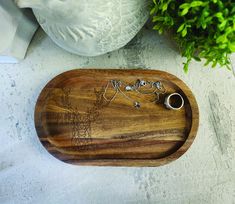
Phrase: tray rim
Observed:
(129, 162)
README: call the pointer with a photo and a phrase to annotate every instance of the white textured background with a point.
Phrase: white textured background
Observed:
(28, 174)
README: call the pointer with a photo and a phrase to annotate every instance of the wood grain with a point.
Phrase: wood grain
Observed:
(76, 126)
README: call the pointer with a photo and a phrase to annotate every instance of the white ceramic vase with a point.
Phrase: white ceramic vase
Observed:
(90, 27)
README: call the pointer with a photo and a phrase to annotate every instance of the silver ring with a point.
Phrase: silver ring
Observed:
(174, 101)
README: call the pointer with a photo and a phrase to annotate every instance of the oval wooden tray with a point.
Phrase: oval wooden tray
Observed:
(75, 126)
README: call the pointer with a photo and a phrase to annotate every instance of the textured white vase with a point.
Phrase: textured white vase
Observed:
(17, 28)
(90, 27)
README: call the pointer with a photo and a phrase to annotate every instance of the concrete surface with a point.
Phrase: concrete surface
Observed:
(28, 174)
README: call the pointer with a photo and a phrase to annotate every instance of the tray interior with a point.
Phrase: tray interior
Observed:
(77, 125)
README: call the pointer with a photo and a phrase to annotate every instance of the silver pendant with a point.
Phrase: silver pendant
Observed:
(137, 104)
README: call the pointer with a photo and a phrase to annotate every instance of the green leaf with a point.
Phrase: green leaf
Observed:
(160, 31)
(184, 32)
(184, 12)
(156, 27)
(203, 25)
(184, 6)
(207, 62)
(196, 3)
(222, 25)
(186, 65)
(226, 12)
(164, 8)
(152, 10)
(214, 64)
(219, 15)
(181, 28)
(223, 46)
(197, 58)
(222, 39)
(228, 30)
(231, 46)
(157, 18)
(229, 67)
(205, 13)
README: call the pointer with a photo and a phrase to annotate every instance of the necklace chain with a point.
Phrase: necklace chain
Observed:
(118, 84)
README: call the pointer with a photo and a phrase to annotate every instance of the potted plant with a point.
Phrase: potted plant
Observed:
(202, 29)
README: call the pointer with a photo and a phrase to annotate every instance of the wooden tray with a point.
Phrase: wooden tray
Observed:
(73, 124)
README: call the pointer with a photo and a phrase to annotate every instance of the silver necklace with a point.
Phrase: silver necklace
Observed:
(121, 87)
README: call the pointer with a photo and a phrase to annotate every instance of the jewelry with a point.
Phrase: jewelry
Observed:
(174, 101)
(118, 85)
